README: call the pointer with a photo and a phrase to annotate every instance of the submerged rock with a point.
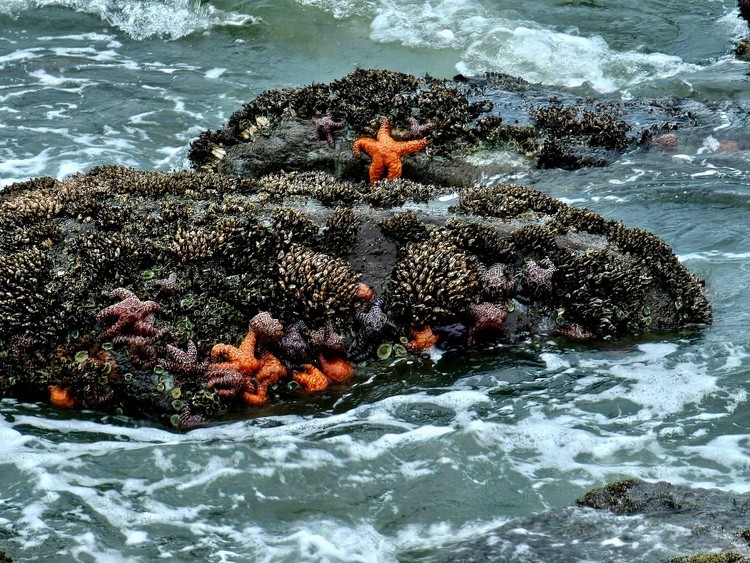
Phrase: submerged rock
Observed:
(625, 521)
(193, 256)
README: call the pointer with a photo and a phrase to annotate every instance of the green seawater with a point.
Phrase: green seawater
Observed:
(418, 454)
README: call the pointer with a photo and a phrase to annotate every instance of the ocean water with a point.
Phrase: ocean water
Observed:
(417, 455)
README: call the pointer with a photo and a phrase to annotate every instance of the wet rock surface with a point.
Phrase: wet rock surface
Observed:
(466, 120)
(131, 291)
(625, 521)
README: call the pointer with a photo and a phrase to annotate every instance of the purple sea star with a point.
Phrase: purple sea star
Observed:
(227, 383)
(574, 332)
(142, 352)
(496, 283)
(327, 339)
(486, 316)
(266, 328)
(185, 362)
(293, 345)
(416, 131)
(324, 128)
(539, 276)
(167, 285)
(190, 420)
(133, 316)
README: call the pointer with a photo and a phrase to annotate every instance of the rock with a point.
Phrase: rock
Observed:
(530, 124)
(744, 6)
(287, 147)
(625, 521)
(742, 50)
(199, 254)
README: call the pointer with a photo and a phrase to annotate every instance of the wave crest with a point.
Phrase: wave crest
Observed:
(142, 19)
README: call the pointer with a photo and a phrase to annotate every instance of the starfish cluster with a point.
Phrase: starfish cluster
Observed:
(134, 326)
(252, 368)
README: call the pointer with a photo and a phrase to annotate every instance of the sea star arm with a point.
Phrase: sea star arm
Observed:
(408, 147)
(365, 144)
(238, 359)
(377, 166)
(255, 394)
(248, 345)
(394, 168)
(311, 378)
(384, 133)
(271, 370)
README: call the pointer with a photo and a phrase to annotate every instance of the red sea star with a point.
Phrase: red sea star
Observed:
(486, 316)
(385, 152)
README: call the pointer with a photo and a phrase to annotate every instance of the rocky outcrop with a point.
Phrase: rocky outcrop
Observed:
(463, 118)
(344, 266)
(625, 521)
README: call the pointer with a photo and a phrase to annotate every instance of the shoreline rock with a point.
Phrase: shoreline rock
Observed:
(625, 521)
(547, 129)
(211, 251)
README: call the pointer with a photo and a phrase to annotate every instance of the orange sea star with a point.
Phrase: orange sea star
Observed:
(60, 397)
(240, 359)
(338, 369)
(311, 378)
(270, 371)
(422, 339)
(255, 395)
(385, 152)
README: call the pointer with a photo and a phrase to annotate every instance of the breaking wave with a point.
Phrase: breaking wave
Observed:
(486, 42)
(142, 19)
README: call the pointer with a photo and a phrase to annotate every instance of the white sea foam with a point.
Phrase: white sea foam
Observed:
(617, 418)
(25, 167)
(552, 57)
(734, 26)
(20, 55)
(715, 256)
(488, 42)
(616, 412)
(141, 19)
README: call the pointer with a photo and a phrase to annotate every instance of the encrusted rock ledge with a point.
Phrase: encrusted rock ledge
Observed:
(129, 291)
(463, 119)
